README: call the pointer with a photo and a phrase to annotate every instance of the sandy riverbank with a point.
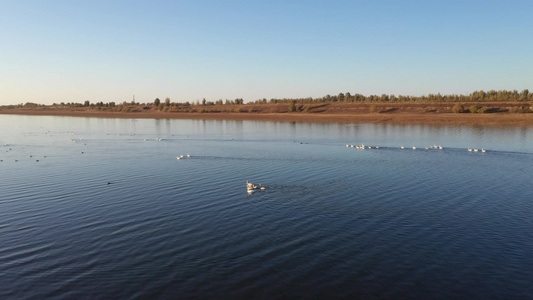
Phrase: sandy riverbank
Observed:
(492, 119)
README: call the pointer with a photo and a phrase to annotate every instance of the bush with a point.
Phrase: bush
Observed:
(482, 110)
(474, 109)
(292, 106)
(519, 110)
(458, 108)
(373, 109)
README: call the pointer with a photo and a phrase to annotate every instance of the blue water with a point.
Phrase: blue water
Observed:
(99, 208)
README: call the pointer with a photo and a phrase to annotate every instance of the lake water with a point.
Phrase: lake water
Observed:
(99, 208)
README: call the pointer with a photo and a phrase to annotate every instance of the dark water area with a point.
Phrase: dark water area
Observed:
(102, 208)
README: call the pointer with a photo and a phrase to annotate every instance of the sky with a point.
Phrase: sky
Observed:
(54, 51)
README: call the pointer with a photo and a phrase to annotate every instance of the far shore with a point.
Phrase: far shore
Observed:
(344, 116)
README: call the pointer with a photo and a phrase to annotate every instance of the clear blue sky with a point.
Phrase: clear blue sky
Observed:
(72, 51)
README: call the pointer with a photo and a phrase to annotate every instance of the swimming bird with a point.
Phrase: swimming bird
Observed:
(476, 150)
(483, 150)
(469, 149)
(188, 155)
(178, 158)
(414, 148)
(402, 147)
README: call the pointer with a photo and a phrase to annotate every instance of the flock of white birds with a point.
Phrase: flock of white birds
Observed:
(433, 147)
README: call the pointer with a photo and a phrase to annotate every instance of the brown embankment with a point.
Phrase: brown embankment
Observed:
(499, 114)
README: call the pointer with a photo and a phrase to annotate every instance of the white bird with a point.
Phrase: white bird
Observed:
(414, 148)
(178, 158)
(469, 149)
(402, 147)
(476, 150)
(483, 150)
(188, 155)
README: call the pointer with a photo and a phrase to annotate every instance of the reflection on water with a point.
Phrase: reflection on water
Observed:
(108, 210)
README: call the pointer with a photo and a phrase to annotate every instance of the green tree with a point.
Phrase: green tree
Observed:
(292, 106)
(524, 94)
(167, 101)
(157, 102)
(86, 103)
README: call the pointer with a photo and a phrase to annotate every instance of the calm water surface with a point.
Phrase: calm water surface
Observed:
(99, 208)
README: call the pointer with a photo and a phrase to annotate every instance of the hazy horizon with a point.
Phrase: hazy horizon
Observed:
(62, 51)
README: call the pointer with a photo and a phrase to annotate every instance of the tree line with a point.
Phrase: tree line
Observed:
(477, 96)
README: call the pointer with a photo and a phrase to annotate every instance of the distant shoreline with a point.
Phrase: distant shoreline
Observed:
(347, 114)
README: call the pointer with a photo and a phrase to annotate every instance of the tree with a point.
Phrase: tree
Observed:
(87, 103)
(157, 102)
(292, 106)
(524, 94)
(203, 101)
(167, 101)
